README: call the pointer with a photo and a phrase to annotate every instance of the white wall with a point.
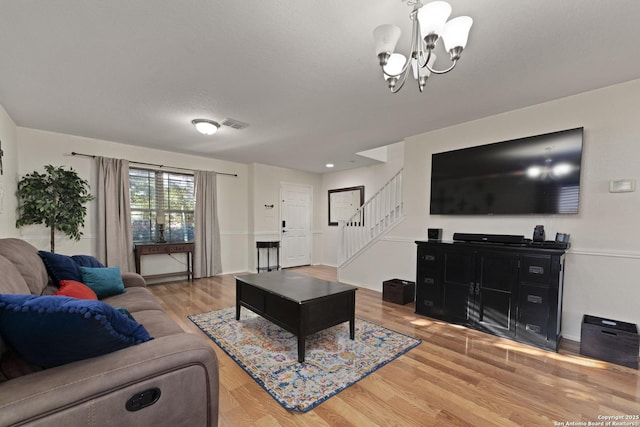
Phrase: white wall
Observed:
(603, 263)
(266, 191)
(371, 177)
(9, 178)
(38, 148)
(243, 217)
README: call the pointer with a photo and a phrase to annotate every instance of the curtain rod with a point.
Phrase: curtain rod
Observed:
(73, 153)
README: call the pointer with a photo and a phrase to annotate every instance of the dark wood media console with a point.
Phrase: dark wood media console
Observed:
(507, 290)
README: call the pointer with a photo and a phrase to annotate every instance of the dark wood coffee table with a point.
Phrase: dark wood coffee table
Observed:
(299, 304)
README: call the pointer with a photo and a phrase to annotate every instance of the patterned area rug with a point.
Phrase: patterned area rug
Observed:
(332, 361)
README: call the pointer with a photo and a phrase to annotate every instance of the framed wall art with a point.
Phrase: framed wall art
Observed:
(343, 204)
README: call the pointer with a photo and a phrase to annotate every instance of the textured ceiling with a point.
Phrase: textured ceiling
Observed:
(303, 74)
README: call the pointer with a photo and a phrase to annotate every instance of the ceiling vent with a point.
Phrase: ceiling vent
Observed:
(235, 124)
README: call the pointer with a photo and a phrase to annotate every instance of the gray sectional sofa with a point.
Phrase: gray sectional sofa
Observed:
(170, 380)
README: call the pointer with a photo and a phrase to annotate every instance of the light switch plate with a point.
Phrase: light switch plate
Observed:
(622, 185)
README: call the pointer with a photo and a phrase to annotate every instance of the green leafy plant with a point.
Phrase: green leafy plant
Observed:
(56, 199)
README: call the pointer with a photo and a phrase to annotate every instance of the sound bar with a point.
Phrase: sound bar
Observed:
(489, 238)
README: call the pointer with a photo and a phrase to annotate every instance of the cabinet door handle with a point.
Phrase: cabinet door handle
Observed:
(429, 281)
(534, 299)
(471, 288)
(477, 288)
(534, 269)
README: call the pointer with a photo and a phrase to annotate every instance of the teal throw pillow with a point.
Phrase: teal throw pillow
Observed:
(48, 331)
(104, 282)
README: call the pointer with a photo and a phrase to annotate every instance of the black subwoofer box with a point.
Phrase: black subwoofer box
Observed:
(398, 291)
(610, 340)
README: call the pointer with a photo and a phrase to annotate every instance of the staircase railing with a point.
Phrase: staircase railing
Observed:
(376, 216)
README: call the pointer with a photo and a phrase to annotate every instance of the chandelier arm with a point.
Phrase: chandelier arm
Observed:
(455, 61)
(403, 80)
(397, 89)
(422, 55)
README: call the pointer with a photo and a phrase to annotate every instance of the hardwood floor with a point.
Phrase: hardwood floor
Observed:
(456, 377)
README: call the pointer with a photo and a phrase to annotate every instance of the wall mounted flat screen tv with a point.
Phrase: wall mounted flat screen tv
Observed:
(534, 175)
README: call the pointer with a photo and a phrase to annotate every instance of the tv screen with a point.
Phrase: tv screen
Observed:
(534, 175)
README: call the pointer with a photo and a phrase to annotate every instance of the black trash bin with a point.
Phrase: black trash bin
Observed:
(610, 340)
(398, 291)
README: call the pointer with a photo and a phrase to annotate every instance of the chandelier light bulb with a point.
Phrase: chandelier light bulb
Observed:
(394, 65)
(206, 127)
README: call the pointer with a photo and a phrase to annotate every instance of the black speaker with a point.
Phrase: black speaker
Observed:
(434, 233)
(538, 233)
(489, 238)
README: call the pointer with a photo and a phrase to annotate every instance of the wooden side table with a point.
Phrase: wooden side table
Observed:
(269, 246)
(165, 248)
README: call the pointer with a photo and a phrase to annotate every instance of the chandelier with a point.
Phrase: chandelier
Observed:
(429, 24)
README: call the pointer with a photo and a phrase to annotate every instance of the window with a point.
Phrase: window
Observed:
(159, 197)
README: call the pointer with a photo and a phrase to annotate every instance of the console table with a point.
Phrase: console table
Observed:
(513, 291)
(268, 246)
(165, 248)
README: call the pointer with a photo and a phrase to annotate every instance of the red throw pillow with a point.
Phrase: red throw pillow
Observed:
(75, 289)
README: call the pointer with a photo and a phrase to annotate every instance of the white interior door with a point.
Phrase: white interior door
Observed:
(295, 222)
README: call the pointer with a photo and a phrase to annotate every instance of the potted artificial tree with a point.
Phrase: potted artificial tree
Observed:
(56, 199)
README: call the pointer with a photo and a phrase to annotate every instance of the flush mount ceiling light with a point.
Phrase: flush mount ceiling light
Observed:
(206, 127)
(429, 24)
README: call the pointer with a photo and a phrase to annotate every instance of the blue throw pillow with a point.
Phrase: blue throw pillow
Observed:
(60, 267)
(49, 331)
(104, 281)
(87, 261)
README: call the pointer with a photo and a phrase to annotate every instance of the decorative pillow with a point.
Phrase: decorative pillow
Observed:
(71, 288)
(49, 331)
(64, 267)
(104, 282)
(125, 312)
(87, 261)
(60, 267)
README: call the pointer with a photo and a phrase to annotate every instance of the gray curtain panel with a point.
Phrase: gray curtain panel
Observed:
(114, 239)
(206, 258)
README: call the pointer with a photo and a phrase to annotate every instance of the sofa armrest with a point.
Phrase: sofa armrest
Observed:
(182, 367)
(132, 280)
